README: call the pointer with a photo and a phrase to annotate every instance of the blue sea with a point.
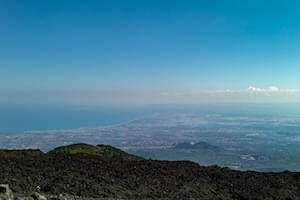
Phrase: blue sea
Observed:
(21, 118)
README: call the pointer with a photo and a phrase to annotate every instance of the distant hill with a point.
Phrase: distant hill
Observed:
(98, 150)
(196, 146)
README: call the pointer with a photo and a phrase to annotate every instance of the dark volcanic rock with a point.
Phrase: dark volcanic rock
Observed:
(100, 177)
(20, 153)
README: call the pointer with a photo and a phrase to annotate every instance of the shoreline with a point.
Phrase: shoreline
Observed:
(124, 123)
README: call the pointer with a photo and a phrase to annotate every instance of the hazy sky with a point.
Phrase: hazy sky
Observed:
(149, 51)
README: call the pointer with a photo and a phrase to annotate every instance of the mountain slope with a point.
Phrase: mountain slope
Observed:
(87, 175)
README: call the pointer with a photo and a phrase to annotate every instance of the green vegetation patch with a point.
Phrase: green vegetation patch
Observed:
(99, 150)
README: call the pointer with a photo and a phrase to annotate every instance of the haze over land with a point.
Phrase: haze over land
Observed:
(256, 137)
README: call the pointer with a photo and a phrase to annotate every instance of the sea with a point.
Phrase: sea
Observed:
(22, 118)
(19, 118)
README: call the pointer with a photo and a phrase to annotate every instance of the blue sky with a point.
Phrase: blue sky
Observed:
(154, 51)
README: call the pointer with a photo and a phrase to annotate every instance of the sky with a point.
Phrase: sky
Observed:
(149, 51)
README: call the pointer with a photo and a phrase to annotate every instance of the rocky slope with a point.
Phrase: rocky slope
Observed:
(93, 176)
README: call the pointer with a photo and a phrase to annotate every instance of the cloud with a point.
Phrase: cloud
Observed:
(254, 89)
(271, 89)
(164, 94)
(257, 89)
(251, 90)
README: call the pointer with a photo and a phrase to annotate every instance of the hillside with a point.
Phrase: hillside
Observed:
(89, 175)
(98, 150)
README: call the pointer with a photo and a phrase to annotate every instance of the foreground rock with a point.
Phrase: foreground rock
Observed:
(93, 176)
(5, 192)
